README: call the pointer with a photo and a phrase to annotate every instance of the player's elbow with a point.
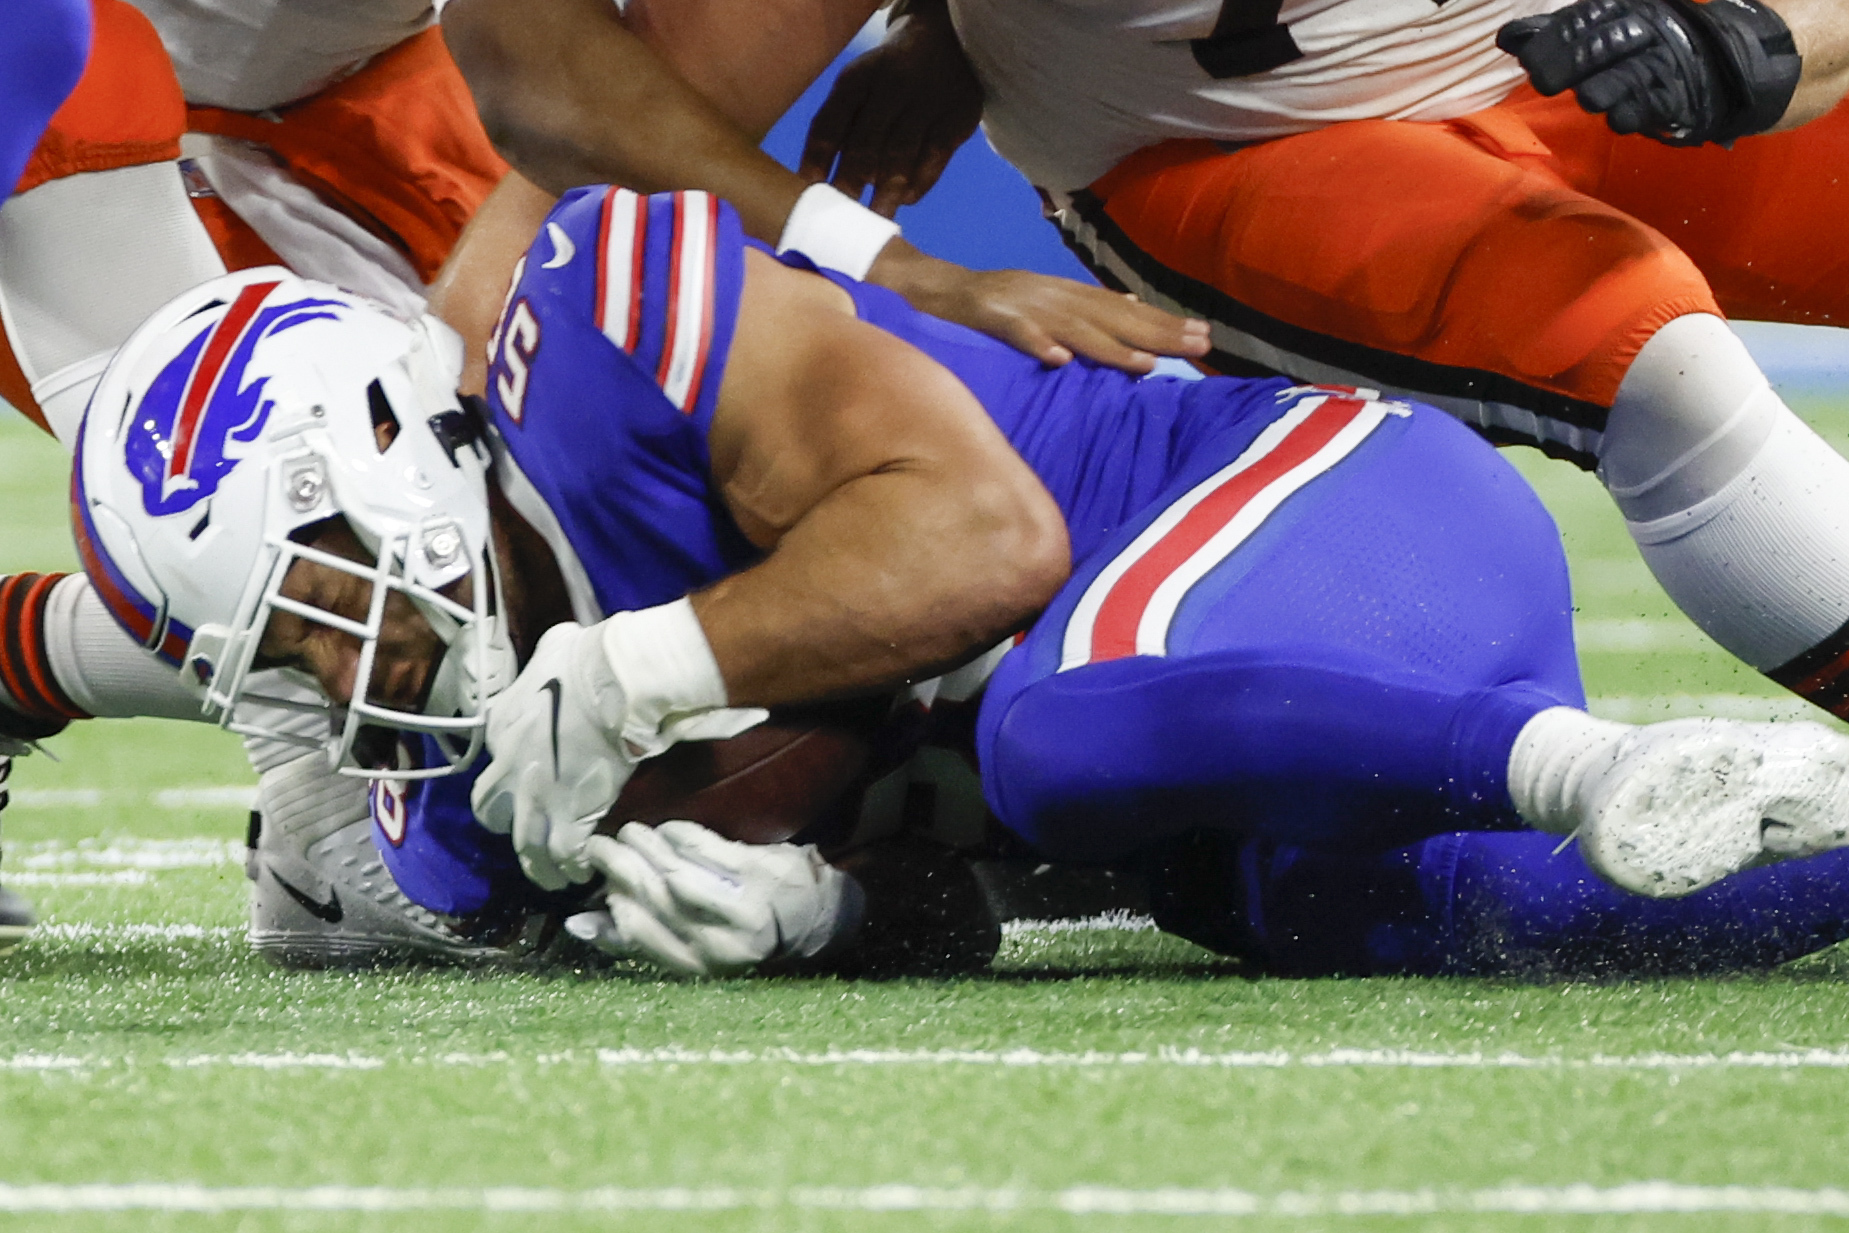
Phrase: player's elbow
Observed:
(1020, 555)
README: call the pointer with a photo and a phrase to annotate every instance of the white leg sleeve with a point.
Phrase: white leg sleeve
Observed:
(100, 666)
(1739, 509)
(83, 260)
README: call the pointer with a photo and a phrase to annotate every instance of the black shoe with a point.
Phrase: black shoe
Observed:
(16, 918)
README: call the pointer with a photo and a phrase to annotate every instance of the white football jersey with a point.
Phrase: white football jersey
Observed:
(250, 55)
(1073, 86)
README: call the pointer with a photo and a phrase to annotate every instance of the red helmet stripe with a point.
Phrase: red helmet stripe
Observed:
(217, 351)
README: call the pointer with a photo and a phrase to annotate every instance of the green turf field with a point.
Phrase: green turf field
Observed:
(154, 1075)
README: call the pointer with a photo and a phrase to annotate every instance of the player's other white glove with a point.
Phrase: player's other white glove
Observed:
(686, 899)
(594, 701)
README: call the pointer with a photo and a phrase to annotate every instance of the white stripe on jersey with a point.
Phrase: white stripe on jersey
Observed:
(691, 295)
(1152, 630)
(1158, 614)
(525, 498)
(619, 308)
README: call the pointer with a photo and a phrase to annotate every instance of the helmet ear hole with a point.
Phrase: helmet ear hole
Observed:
(385, 426)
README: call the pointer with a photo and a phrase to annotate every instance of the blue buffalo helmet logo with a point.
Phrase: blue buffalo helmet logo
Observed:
(198, 410)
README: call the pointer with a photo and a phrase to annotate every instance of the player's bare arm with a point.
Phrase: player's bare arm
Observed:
(468, 291)
(678, 96)
(1821, 29)
(907, 533)
(893, 120)
(573, 96)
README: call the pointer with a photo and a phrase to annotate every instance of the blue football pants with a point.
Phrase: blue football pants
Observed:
(1329, 636)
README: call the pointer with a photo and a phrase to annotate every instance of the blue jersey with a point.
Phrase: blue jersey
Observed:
(604, 374)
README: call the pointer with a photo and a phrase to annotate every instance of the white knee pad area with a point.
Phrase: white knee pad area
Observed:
(1739, 509)
(102, 669)
(83, 260)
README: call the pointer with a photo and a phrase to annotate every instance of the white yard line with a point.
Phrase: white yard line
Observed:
(678, 1057)
(240, 796)
(281, 1061)
(197, 796)
(1397, 1059)
(122, 853)
(57, 798)
(1633, 1198)
(118, 934)
(1603, 635)
(120, 877)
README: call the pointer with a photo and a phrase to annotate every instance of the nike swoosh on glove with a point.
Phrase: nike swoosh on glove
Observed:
(593, 702)
(683, 898)
(559, 758)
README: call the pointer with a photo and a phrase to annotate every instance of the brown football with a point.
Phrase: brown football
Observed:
(796, 769)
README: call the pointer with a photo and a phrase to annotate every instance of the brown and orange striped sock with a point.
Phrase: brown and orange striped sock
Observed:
(33, 702)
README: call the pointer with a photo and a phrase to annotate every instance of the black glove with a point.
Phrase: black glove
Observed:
(1682, 72)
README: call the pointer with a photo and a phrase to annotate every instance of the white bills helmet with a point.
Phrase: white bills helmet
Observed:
(239, 414)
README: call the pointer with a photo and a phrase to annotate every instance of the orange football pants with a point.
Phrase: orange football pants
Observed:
(1520, 255)
(397, 146)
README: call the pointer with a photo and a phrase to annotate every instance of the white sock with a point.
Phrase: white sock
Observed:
(83, 261)
(102, 669)
(307, 801)
(1739, 509)
(267, 754)
(1556, 756)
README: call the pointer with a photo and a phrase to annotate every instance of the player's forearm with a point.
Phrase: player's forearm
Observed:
(571, 97)
(895, 577)
(1821, 30)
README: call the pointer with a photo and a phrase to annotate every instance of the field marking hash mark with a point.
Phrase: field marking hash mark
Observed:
(1631, 1198)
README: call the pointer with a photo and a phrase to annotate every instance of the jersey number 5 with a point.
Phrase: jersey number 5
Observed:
(519, 343)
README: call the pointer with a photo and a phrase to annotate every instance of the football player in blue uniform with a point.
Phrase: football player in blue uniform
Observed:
(1299, 616)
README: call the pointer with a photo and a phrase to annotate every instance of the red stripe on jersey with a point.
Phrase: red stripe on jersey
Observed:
(1114, 633)
(603, 254)
(217, 351)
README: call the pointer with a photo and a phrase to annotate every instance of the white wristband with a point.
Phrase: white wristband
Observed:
(664, 663)
(835, 231)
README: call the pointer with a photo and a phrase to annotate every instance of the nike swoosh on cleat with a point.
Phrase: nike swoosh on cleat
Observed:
(557, 691)
(330, 911)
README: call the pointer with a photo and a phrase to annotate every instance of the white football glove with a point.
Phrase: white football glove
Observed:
(592, 702)
(686, 899)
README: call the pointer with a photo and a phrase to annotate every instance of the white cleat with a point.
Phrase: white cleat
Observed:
(321, 897)
(1682, 804)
